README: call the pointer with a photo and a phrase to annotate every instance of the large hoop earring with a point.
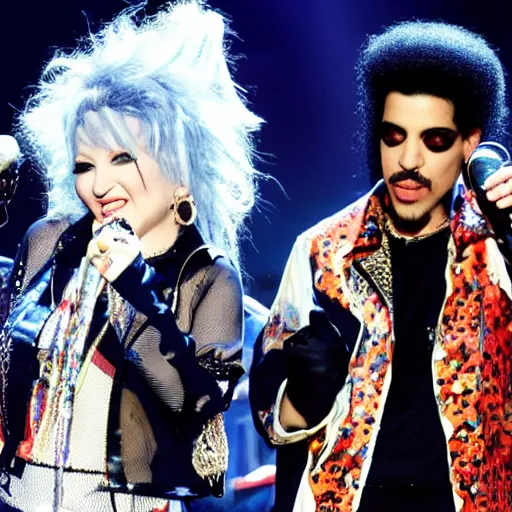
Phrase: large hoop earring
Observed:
(184, 207)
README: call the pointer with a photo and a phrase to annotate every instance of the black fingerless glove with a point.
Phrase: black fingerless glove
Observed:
(317, 361)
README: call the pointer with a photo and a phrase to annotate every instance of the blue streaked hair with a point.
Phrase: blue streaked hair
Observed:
(171, 72)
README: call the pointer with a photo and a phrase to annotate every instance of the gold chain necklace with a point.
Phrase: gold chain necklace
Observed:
(392, 231)
(148, 256)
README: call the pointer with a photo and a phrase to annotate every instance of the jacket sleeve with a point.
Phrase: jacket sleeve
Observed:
(206, 361)
(289, 313)
(5, 270)
(34, 253)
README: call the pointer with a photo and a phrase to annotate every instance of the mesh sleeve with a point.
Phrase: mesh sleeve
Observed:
(218, 318)
(35, 250)
(216, 325)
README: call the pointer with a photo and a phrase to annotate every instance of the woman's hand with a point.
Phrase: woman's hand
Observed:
(113, 248)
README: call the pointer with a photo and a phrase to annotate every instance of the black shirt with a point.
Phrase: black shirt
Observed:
(411, 446)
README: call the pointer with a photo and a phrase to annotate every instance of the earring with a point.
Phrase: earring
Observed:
(184, 207)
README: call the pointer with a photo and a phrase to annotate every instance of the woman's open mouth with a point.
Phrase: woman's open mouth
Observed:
(112, 207)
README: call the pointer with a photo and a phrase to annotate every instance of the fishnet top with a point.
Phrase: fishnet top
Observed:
(154, 417)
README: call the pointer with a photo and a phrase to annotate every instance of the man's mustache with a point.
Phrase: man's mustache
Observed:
(410, 175)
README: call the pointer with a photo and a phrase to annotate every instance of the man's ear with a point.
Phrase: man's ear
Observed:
(471, 142)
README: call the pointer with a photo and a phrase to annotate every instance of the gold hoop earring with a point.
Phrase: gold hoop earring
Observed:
(184, 207)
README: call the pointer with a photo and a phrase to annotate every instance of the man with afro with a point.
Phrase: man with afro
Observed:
(385, 371)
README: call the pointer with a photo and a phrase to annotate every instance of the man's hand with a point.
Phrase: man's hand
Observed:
(317, 361)
(499, 187)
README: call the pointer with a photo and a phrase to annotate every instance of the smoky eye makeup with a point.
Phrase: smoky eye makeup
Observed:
(439, 139)
(391, 134)
(81, 167)
(436, 140)
(123, 158)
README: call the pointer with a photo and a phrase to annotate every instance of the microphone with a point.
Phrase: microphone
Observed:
(10, 155)
(488, 158)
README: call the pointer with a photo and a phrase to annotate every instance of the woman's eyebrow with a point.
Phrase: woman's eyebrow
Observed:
(81, 154)
(117, 151)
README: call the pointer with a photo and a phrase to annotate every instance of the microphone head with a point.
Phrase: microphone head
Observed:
(9, 152)
(10, 156)
(488, 158)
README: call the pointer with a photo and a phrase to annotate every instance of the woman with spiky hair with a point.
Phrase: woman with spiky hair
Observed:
(123, 338)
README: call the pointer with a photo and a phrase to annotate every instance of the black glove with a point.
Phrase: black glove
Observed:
(317, 361)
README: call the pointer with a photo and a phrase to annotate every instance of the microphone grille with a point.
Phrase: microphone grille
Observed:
(9, 151)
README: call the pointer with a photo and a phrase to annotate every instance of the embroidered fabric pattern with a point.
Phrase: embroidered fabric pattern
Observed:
(473, 361)
(334, 487)
(52, 397)
(267, 419)
(120, 312)
(282, 324)
(474, 377)
(378, 265)
(210, 450)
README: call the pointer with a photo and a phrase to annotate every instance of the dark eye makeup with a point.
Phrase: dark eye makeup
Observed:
(122, 158)
(436, 140)
(391, 134)
(439, 139)
(81, 167)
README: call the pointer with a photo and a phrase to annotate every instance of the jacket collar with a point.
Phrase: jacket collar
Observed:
(359, 235)
(467, 225)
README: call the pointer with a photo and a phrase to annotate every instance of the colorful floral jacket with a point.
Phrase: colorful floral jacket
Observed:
(344, 261)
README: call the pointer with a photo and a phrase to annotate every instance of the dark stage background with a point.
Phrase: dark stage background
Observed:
(298, 66)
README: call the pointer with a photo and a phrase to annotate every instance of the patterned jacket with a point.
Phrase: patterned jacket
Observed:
(344, 262)
(142, 398)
